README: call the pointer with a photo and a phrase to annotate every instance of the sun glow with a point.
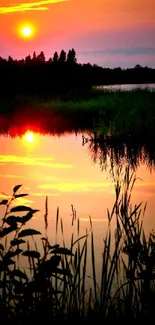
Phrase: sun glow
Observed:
(29, 137)
(27, 31)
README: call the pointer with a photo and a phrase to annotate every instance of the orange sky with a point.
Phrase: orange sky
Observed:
(106, 32)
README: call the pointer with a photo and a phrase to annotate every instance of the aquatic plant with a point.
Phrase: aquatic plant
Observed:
(52, 285)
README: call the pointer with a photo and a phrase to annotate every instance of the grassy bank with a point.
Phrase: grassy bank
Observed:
(118, 112)
(54, 285)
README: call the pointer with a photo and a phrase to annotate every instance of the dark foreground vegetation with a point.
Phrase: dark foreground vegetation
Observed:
(62, 75)
(118, 113)
(53, 287)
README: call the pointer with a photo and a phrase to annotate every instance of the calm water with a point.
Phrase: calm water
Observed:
(64, 170)
(129, 86)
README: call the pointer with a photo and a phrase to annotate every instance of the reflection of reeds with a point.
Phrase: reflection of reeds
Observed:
(55, 284)
(117, 151)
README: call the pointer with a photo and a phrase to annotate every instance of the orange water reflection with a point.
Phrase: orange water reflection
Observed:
(62, 168)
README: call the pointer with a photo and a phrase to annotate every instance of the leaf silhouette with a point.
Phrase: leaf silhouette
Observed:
(49, 267)
(19, 274)
(7, 231)
(62, 250)
(15, 242)
(12, 253)
(35, 210)
(31, 253)
(3, 202)
(16, 188)
(20, 208)
(5, 262)
(27, 217)
(28, 232)
(20, 195)
(11, 220)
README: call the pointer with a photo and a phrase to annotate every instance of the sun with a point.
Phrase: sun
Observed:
(26, 31)
(29, 137)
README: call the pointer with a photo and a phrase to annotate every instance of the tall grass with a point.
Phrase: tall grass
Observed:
(54, 286)
(122, 113)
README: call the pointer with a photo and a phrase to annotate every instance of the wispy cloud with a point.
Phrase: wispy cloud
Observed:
(44, 194)
(76, 186)
(21, 201)
(95, 219)
(32, 161)
(5, 197)
(121, 51)
(10, 176)
(35, 5)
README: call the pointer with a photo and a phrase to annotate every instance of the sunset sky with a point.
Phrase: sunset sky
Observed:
(109, 33)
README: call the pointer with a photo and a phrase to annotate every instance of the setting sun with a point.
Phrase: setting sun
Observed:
(26, 31)
(29, 137)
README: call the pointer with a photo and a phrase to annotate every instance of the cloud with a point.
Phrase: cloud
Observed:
(20, 201)
(95, 219)
(46, 161)
(44, 194)
(38, 5)
(76, 186)
(23, 201)
(5, 197)
(10, 176)
(121, 51)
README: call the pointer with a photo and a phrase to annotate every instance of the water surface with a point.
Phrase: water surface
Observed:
(63, 169)
(150, 86)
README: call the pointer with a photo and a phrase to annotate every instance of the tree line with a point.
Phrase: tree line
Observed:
(62, 74)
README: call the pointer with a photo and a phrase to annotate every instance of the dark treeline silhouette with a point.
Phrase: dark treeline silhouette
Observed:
(62, 74)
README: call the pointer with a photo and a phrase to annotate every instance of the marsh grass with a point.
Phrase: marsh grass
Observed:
(122, 113)
(54, 284)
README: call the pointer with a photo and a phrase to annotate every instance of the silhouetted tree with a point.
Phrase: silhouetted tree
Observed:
(28, 59)
(71, 56)
(62, 57)
(34, 56)
(41, 57)
(10, 59)
(137, 66)
(35, 75)
(55, 57)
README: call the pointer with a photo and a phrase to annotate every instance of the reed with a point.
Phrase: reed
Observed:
(54, 286)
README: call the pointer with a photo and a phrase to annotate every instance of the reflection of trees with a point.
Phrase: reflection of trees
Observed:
(117, 151)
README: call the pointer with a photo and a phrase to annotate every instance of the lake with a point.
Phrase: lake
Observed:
(67, 170)
(149, 86)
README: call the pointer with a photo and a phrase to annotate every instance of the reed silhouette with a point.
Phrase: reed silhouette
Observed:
(54, 286)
